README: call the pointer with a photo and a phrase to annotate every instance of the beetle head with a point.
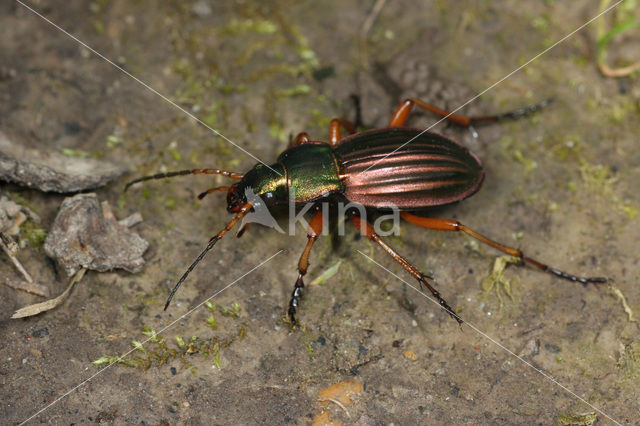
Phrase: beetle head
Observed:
(235, 198)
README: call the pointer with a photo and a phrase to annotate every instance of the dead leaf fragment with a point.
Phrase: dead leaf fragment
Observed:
(341, 392)
(410, 356)
(323, 419)
(47, 305)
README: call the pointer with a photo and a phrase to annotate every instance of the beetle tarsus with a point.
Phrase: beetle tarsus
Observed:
(294, 303)
(441, 301)
(581, 280)
(558, 273)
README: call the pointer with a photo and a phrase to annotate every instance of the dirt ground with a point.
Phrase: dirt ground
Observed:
(561, 184)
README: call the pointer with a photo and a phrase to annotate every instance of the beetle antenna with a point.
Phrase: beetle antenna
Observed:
(246, 208)
(231, 175)
(210, 190)
(512, 115)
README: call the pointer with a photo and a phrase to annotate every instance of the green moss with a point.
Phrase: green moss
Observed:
(528, 164)
(75, 153)
(113, 141)
(233, 312)
(300, 89)
(170, 203)
(34, 234)
(212, 322)
(308, 339)
(138, 346)
(630, 211)
(541, 23)
(98, 26)
(587, 419)
(213, 116)
(122, 200)
(617, 113)
(113, 359)
(19, 199)
(597, 178)
(146, 193)
(260, 26)
(629, 363)
(277, 132)
(318, 119)
(175, 154)
(568, 149)
(158, 352)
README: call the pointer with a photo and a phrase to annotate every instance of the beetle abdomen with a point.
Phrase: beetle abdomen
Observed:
(431, 170)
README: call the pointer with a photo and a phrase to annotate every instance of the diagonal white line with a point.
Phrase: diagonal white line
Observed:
(496, 83)
(486, 336)
(146, 340)
(151, 89)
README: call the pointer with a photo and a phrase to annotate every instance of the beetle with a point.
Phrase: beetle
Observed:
(409, 168)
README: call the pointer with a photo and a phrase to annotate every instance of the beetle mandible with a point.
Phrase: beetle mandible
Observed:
(374, 168)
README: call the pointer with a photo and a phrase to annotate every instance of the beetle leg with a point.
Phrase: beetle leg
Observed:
(367, 230)
(351, 127)
(454, 225)
(314, 231)
(401, 115)
(334, 129)
(241, 230)
(302, 137)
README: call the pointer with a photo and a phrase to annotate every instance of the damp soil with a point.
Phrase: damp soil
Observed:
(560, 184)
